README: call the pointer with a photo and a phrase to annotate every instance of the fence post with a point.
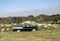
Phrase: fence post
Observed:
(2, 30)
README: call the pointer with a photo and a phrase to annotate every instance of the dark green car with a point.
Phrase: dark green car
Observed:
(25, 28)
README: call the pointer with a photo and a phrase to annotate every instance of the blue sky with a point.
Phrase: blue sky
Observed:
(8, 7)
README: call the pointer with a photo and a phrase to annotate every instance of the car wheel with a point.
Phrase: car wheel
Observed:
(34, 30)
(18, 30)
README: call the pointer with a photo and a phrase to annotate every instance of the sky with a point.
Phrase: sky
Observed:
(9, 7)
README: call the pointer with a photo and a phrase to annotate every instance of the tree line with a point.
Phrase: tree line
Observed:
(42, 18)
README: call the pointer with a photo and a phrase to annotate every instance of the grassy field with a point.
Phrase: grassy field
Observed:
(40, 35)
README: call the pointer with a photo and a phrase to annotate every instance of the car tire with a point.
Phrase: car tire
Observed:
(18, 30)
(34, 30)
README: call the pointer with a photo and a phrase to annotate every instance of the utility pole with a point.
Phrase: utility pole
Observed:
(21, 19)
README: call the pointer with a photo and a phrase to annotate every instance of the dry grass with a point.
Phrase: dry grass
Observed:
(46, 35)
